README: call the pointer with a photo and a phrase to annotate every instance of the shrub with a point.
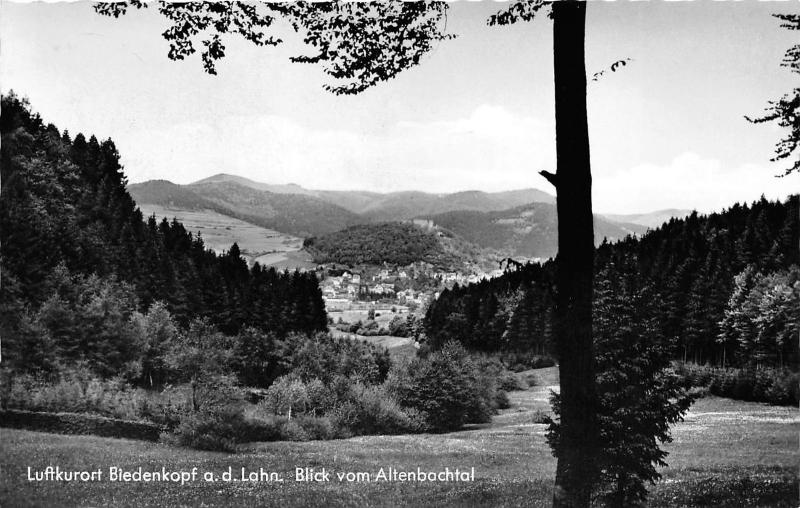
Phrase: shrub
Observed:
(531, 379)
(518, 361)
(785, 390)
(70, 423)
(501, 400)
(218, 430)
(218, 423)
(261, 429)
(79, 391)
(540, 416)
(292, 430)
(372, 410)
(445, 387)
(289, 396)
(774, 386)
(286, 396)
(321, 399)
(315, 427)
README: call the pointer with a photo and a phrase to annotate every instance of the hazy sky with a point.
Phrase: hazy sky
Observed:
(666, 131)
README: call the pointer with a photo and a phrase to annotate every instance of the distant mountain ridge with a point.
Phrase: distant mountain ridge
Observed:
(651, 219)
(519, 223)
(400, 205)
(297, 214)
(289, 188)
(529, 231)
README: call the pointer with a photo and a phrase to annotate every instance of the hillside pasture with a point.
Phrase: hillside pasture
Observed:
(288, 260)
(219, 232)
(725, 453)
(398, 347)
(382, 316)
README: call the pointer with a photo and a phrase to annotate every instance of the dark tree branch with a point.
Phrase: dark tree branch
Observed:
(786, 110)
(358, 44)
(550, 177)
(614, 66)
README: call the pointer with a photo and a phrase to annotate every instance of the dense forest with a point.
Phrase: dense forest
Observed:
(391, 242)
(79, 259)
(726, 287)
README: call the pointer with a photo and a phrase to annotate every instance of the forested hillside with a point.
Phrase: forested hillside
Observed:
(410, 204)
(391, 242)
(79, 260)
(725, 287)
(528, 231)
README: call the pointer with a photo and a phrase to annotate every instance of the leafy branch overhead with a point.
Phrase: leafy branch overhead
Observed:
(614, 66)
(519, 10)
(786, 110)
(359, 44)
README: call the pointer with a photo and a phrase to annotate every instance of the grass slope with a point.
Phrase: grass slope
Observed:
(294, 214)
(220, 231)
(726, 453)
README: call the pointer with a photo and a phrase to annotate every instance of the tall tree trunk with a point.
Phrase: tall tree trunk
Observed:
(575, 472)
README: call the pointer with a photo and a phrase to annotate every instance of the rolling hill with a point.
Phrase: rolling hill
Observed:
(289, 188)
(295, 214)
(373, 244)
(398, 243)
(409, 204)
(651, 219)
(529, 231)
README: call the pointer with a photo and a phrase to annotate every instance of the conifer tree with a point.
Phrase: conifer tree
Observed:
(639, 396)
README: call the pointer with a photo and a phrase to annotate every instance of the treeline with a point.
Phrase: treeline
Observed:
(726, 287)
(79, 259)
(509, 314)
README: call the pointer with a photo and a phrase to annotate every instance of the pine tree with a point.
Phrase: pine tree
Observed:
(639, 396)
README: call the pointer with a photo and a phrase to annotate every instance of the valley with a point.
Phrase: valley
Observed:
(370, 248)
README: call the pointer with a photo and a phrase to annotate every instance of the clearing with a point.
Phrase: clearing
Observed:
(726, 453)
(267, 246)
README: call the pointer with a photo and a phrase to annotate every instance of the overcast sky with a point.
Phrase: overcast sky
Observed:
(667, 131)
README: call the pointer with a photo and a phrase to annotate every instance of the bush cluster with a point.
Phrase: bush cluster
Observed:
(77, 390)
(774, 386)
(82, 424)
(447, 387)
(329, 388)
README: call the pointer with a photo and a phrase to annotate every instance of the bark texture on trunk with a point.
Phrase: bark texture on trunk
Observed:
(574, 264)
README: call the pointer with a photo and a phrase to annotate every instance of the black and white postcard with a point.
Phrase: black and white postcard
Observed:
(524, 253)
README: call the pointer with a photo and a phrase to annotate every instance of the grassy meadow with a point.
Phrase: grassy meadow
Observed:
(725, 453)
(219, 232)
(398, 347)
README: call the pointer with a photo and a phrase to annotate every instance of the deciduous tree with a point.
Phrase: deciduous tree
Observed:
(786, 110)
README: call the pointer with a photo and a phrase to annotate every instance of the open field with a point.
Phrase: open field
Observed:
(398, 347)
(288, 260)
(726, 453)
(382, 316)
(219, 232)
